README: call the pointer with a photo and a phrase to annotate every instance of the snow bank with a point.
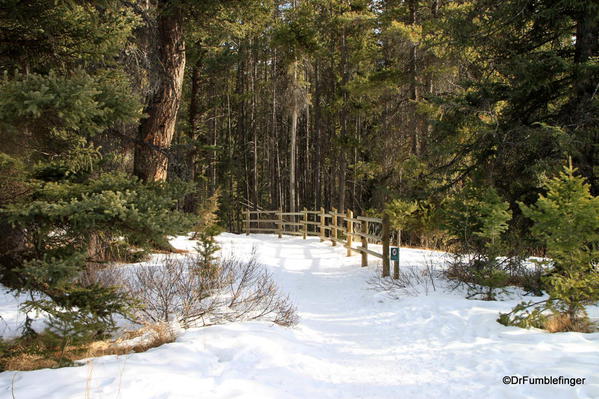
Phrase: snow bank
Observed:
(351, 342)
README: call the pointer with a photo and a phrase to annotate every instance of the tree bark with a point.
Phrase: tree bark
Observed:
(292, 148)
(414, 125)
(297, 102)
(344, 120)
(157, 130)
(342, 171)
(275, 172)
(319, 141)
(191, 153)
(13, 245)
(253, 125)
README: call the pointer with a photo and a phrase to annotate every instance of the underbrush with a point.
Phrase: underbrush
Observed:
(550, 315)
(486, 278)
(190, 291)
(479, 281)
(412, 281)
(477, 277)
(183, 290)
(48, 350)
(565, 323)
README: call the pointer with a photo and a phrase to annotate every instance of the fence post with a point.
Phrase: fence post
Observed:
(322, 225)
(247, 222)
(386, 246)
(396, 262)
(364, 230)
(334, 226)
(305, 223)
(350, 231)
(280, 223)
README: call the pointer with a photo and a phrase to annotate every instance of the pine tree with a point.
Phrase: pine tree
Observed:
(68, 202)
(476, 218)
(526, 96)
(566, 219)
(205, 232)
(402, 214)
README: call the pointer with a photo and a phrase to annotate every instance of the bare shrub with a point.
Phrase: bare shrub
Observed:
(413, 281)
(182, 289)
(528, 278)
(251, 294)
(99, 273)
(167, 291)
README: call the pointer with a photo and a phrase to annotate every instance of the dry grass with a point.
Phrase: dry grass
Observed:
(170, 251)
(154, 335)
(140, 340)
(26, 362)
(563, 323)
(22, 357)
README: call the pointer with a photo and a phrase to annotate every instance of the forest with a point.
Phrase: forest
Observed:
(473, 124)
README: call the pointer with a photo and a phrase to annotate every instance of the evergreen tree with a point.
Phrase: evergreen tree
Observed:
(476, 218)
(205, 232)
(525, 98)
(566, 219)
(68, 202)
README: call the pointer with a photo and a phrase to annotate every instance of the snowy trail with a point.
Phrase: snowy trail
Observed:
(351, 342)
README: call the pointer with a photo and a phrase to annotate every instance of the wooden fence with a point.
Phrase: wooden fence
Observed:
(339, 228)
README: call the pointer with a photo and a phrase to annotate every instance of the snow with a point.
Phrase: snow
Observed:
(351, 342)
(12, 319)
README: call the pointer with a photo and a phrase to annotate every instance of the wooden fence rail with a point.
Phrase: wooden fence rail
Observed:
(343, 228)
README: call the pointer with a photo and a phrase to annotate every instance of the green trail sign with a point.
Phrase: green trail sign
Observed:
(394, 253)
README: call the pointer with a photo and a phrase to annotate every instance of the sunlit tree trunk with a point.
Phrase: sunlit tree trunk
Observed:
(292, 157)
(157, 129)
(414, 126)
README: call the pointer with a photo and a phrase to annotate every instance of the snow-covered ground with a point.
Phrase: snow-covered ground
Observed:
(351, 342)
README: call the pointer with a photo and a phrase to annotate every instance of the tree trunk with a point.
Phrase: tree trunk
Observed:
(316, 160)
(275, 178)
(157, 130)
(587, 32)
(308, 194)
(342, 169)
(13, 244)
(190, 172)
(253, 126)
(344, 121)
(292, 147)
(414, 125)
